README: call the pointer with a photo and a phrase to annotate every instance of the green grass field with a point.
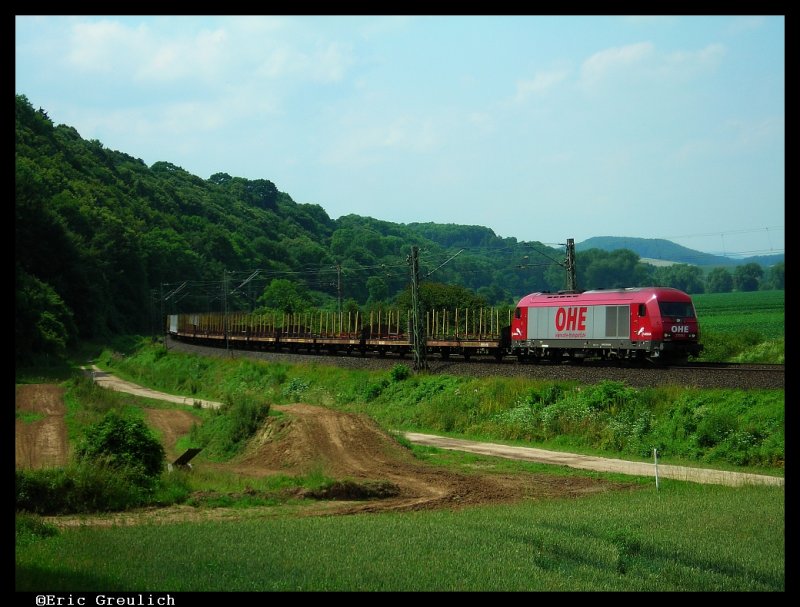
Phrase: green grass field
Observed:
(685, 537)
(760, 312)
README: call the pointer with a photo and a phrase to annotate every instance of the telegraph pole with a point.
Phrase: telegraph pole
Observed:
(572, 281)
(418, 327)
(165, 298)
(225, 310)
(163, 318)
(339, 285)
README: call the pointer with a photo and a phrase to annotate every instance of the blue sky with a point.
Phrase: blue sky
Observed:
(539, 127)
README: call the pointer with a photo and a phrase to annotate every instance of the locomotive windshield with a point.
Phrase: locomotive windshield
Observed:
(677, 309)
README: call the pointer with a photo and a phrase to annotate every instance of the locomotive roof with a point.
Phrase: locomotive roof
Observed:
(610, 295)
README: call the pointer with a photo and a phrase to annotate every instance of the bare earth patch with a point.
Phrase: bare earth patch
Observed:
(170, 425)
(41, 443)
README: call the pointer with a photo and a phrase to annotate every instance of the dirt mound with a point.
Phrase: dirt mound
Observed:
(349, 446)
(309, 438)
(41, 439)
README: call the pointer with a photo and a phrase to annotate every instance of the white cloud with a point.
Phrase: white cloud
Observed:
(104, 45)
(385, 25)
(540, 83)
(365, 145)
(202, 56)
(148, 54)
(746, 23)
(734, 138)
(181, 118)
(642, 61)
(650, 19)
(144, 54)
(263, 25)
(750, 136)
(331, 62)
(482, 121)
(694, 151)
(686, 63)
(612, 60)
(326, 64)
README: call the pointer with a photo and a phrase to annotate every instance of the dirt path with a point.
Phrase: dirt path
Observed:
(106, 380)
(43, 442)
(601, 464)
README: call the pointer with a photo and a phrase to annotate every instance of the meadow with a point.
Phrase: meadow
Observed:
(685, 537)
(742, 327)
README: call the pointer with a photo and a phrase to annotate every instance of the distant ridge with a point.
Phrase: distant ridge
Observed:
(662, 252)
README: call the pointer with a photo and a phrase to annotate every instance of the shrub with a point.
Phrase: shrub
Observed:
(295, 389)
(89, 486)
(31, 527)
(121, 442)
(399, 373)
(229, 428)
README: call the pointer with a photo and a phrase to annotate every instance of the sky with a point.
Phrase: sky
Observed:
(541, 128)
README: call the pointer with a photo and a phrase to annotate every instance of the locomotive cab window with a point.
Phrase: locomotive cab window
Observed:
(518, 313)
(642, 310)
(678, 309)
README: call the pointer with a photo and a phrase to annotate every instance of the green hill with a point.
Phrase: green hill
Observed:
(658, 249)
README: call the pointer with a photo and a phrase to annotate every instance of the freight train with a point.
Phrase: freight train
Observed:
(654, 324)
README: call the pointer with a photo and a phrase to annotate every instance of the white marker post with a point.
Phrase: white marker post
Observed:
(655, 458)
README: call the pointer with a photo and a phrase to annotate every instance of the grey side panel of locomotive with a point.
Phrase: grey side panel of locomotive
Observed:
(599, 322)
(618, 322)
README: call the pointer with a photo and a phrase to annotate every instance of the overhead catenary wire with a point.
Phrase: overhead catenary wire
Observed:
(317, 277)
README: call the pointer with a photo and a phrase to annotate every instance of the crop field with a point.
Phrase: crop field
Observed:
(685, 537)
(759, 312)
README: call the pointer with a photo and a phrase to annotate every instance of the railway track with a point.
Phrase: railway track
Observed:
(697, 375)
(755, 367)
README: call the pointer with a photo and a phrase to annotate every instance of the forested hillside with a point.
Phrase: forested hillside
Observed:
(105, 244)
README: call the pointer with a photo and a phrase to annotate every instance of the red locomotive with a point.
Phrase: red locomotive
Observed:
(652, 323)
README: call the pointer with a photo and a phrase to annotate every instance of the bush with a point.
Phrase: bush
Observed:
(374, 389)
(295, 389)
(31, 527)
(89, 486)
(226, 432)
(399, 373)
(121, 442)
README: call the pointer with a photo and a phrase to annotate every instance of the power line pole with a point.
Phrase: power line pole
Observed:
(572, 281)
(163, 318)
(420, 344)
(153, 315)
(339, 285)
(225, 310)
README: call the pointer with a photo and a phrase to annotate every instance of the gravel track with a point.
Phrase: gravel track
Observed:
(586, 374)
